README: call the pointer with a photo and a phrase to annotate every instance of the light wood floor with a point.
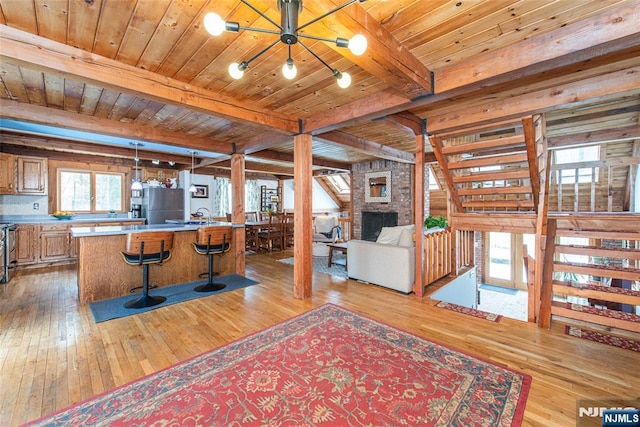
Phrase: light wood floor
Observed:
(52, 354)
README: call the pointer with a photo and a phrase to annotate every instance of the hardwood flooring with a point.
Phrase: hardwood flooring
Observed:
(52, 354)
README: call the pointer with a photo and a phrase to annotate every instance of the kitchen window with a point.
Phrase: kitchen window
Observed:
(89, 191)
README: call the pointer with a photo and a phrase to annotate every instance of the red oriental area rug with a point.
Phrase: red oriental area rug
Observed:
(329, 366)
(470, 311)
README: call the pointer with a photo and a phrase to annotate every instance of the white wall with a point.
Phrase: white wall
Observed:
(191, 205)
(321, 201)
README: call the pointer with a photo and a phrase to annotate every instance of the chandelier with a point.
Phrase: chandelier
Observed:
(288, 30)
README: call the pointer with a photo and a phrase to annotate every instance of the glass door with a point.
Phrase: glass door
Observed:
(504, 259)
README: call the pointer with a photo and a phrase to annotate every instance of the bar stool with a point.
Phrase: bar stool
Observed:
(212, 240)
(145, 248)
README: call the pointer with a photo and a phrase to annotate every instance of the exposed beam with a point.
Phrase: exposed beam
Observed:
(385, 58)
(66, 146)
(629, 132)
(286, 157)
(53, 117)
(608, 33)
(22, 48)
(407, 122)
(602, 87)
(365, 146)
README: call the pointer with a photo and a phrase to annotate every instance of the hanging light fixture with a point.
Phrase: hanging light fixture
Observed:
(289, 35)
(136, 185)
(192, 187)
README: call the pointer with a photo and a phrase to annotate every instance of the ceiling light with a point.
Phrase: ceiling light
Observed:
(289, 70)
(289, 34)
(155, 162)
(192, 187)
(136, 185)
(171, 163)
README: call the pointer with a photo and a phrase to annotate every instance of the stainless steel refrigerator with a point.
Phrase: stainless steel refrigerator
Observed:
(160, 204)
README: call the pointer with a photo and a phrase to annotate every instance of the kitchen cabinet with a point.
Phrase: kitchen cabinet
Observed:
(54, 242)
(158, 174)
(26, 244)
(7, 173)
(49, 243)
(32, 175)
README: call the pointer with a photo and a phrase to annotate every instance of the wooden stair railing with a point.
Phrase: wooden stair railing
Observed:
(496, 174)
(437, 255)
(591, 290)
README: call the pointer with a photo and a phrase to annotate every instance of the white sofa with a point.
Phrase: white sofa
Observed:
(387, 262)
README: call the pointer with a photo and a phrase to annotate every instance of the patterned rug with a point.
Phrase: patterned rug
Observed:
(320, 265)
(470, 311)
(328, 366)
(591, 335)
(612, 314)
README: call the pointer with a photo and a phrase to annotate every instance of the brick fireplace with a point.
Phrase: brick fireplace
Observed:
(401, 193)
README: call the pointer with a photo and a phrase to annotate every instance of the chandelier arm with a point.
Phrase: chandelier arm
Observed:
(259, 30)
(321, 39)
(262, 51)
(262, 14)
(333, 70)
(325, 15)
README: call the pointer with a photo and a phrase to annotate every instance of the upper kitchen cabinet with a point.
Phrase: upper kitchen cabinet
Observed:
(7, 173)
(32, 175)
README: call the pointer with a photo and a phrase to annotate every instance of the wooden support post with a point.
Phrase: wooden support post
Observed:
(237, 209)
(303, 221)
(418, 214)
(546, 288)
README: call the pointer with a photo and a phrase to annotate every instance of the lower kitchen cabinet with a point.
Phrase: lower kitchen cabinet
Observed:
(26, 244)
(51, 242)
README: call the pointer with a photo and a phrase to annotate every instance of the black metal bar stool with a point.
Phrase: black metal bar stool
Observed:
(212, 240)
(144, 248)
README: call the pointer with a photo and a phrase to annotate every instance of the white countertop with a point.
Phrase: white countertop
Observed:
(109, 230)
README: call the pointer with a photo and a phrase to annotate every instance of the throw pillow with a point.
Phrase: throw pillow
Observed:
(406, 238)
(391, 235)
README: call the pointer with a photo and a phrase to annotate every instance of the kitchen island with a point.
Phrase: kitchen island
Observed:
(102, 272)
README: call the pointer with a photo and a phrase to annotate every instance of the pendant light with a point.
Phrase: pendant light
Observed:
(136, 185)
(192, 187)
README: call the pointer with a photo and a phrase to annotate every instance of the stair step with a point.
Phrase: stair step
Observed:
(607, 293)
(622, 253)
(599, 316)
(627, 273)
(480, 146)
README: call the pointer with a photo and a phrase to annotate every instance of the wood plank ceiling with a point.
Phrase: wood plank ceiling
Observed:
(149, 70)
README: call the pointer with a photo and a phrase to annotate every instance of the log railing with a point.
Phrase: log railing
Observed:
(437, 255)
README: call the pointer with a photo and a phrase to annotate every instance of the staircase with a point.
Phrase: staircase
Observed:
(603, 291)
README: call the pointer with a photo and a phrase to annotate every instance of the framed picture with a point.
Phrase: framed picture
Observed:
(202, 192)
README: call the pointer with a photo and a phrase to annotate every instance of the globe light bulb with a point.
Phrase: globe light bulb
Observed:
(344, 81)
(289, 70)
(235, 71)
(358, 44)
(214, 24)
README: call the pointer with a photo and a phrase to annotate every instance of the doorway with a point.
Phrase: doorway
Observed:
(504, 261)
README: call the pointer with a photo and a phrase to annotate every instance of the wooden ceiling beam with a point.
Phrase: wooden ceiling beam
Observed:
(385, 57)
(602, 87)
(366, 146)
(53, 117)
(66, 146)
(406, 122)
(608, 33)
(287, 157)
(629, 132)
(39, 53)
